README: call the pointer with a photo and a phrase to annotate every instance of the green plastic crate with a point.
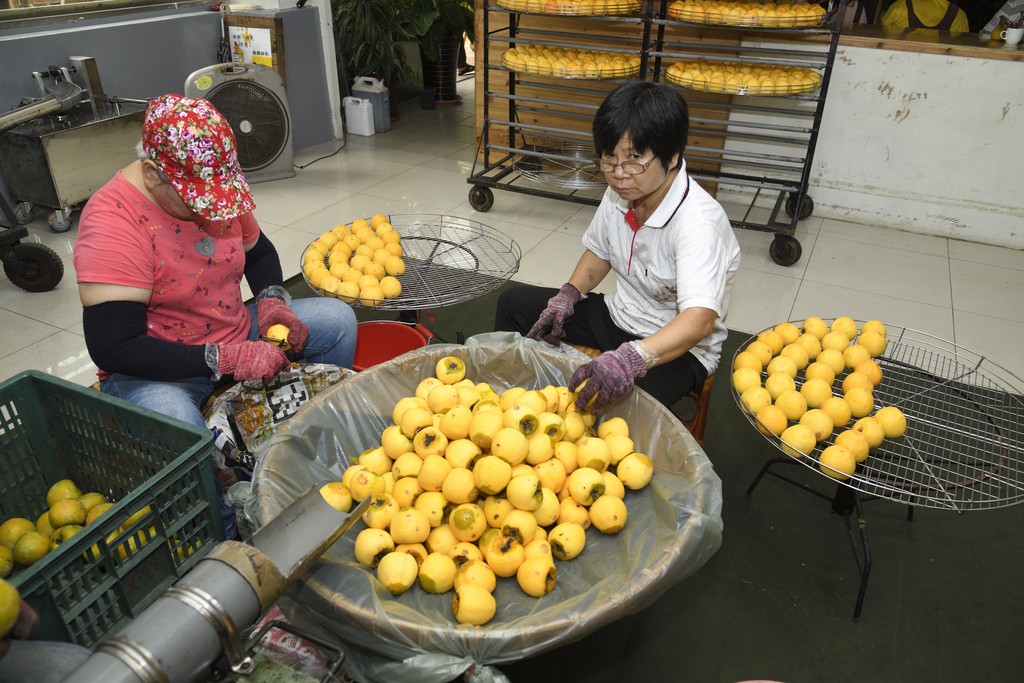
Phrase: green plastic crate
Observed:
(88, 588)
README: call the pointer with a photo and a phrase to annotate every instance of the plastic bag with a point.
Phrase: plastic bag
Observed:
(674, 526)
(244, 416)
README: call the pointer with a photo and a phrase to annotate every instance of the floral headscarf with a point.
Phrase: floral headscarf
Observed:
(195, 148)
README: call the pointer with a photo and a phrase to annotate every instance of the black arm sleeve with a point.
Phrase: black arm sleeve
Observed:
(115, 334)
(263, 265)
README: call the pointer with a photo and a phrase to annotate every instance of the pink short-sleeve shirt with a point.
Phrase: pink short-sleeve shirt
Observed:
(194, 271)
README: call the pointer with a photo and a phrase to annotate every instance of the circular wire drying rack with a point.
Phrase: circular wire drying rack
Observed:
(772, 16)
(448, 260)
(567, 166)
(568, 8)
(964, 444)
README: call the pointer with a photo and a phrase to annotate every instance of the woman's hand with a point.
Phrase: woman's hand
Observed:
(608, 377)
(551, 325)
(272, 311)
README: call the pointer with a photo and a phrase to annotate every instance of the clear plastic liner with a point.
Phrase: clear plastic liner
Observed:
(674, 525)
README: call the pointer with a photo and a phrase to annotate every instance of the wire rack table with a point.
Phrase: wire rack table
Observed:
(964, 444)
(448, 260)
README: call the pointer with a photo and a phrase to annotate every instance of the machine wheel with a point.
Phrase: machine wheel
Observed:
(785, 250)
(39, 268)
(23, 212)
(60, 221)
(481, 198)
(806, 207)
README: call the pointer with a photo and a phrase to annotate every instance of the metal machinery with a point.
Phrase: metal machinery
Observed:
(198, 621)
(60, 147)
(760, 140)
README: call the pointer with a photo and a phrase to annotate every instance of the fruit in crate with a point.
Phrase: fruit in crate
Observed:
(63, 534)
(31, 548)
(360, 262)
(95, 512)
(512, 492)
(66, 511)
(773, 14)
(6, 561)
(65, 488)
(10, 607)
(570, 62)
(741, 78)
(13, 529)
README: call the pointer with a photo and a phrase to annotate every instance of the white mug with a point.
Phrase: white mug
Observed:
(1012, 36)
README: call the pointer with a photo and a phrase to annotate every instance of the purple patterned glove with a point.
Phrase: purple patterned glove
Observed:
(551, 325)
(608, 377)
(272, 311)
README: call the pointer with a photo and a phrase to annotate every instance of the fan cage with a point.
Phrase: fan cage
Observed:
(258, 118)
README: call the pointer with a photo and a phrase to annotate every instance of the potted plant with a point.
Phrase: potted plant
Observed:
(438, 26)
(368, 36)
(432, 21)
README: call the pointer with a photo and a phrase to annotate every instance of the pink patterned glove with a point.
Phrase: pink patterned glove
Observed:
(608, 377)
(251, 360)
(272, 311)
(551, 325)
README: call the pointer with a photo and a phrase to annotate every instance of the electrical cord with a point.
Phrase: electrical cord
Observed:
(326, 156)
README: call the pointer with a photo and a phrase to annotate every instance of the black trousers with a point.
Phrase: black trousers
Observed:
(591, 325)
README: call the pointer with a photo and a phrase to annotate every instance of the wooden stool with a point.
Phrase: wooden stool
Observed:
(701, 400)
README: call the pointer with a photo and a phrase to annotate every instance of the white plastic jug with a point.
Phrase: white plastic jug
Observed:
(358, 116)
(374, 90)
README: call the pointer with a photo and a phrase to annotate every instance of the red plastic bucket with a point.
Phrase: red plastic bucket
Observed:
(381, 340)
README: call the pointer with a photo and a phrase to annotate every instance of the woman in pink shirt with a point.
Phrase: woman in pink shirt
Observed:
(161, 252)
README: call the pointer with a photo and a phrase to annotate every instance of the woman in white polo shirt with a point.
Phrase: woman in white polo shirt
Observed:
(671, 247)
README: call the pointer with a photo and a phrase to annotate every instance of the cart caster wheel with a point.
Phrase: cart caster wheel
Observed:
(23, 212)
(60, 221)
(806, 208)
(481, 198)
(37, 267)
(785, 250)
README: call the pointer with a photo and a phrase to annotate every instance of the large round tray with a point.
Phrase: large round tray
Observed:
(675, 74)
(521, 60)
(674, 524)
(752, 14)
(579, 8)
(964, 444)
(567, 166)
(448, 260)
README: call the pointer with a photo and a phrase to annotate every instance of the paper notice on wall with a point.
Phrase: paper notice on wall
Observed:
(251, 45)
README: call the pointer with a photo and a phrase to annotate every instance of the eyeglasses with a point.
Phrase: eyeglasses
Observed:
(629, 167)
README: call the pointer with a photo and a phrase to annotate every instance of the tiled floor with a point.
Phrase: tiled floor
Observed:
(963, 292)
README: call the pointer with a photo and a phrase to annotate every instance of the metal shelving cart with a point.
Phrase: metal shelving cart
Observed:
(535, 135)
(766, 130)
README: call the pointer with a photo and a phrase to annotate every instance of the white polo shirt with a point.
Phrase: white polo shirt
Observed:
(685, 256)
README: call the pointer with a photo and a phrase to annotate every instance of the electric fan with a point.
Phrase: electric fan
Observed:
(253, 100)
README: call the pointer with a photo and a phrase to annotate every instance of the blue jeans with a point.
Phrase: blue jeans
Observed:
(332, 339)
